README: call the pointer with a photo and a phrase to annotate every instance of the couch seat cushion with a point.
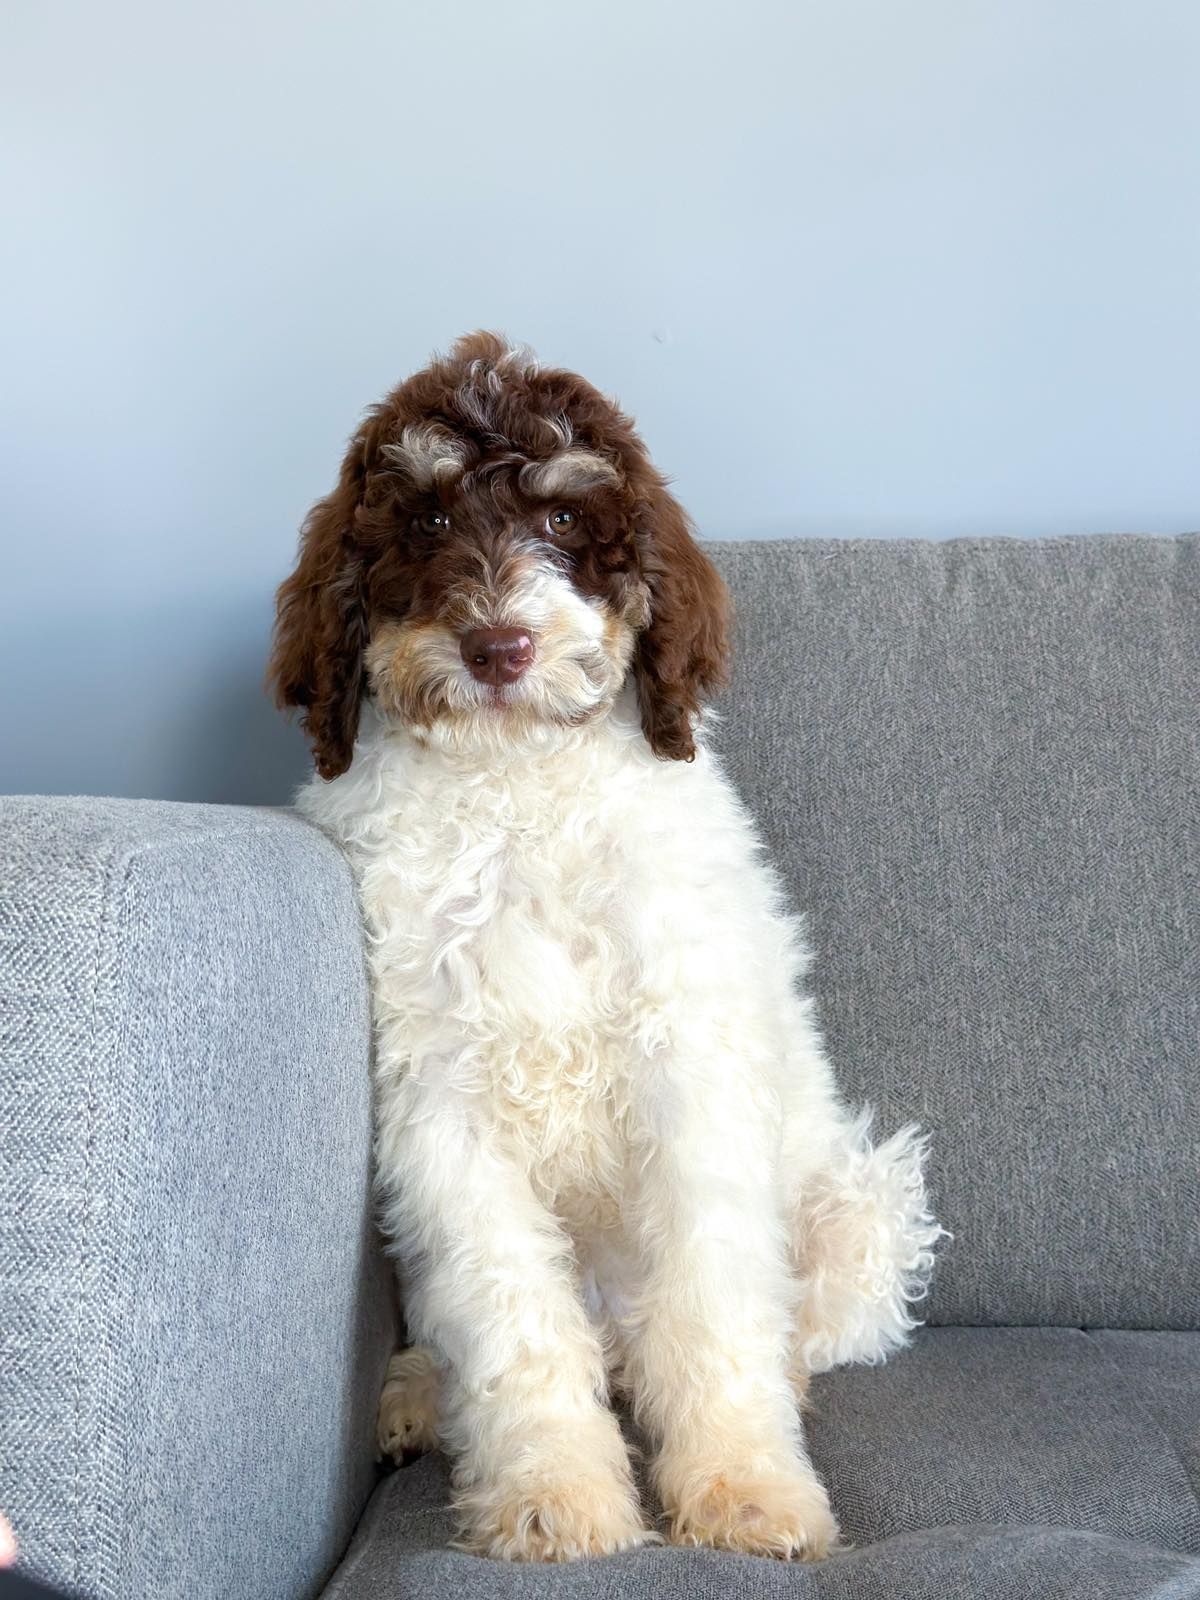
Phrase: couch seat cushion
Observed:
(1018, 1426)
(982, 1464)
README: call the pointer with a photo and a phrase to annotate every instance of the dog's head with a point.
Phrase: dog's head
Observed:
(498, 555)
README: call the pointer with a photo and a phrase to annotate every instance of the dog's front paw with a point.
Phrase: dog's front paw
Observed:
(580, 1514)
(408, 1406)
(784, 1515)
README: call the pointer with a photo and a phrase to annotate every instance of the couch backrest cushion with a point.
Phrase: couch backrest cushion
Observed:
(978, 765)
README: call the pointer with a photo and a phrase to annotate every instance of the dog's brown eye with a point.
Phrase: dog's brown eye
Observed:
(434, 522)
(561, 522)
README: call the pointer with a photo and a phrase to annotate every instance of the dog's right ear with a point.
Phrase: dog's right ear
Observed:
(321, 618)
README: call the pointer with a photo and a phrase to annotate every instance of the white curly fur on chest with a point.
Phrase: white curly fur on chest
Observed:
(516, 915)
(500, 950)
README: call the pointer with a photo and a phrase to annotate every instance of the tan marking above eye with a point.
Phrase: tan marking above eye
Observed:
(568, 472)
(427, 454)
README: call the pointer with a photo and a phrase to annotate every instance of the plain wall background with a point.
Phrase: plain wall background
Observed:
(860, 268)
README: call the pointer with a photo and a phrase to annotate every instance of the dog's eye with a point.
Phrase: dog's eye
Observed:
(560, 522)
(434, 522)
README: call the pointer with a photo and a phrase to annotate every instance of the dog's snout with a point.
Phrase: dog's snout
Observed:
(497, 655)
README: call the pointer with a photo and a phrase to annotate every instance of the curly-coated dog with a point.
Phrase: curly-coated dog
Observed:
(612, 1157)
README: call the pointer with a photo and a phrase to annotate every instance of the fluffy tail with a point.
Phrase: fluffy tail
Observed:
(864, 1248)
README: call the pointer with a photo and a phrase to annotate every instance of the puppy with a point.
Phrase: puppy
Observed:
(611, 1154)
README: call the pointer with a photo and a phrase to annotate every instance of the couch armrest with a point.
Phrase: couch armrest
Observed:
(194, 1316)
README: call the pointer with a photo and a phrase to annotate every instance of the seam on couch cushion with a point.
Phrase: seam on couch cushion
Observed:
(98, 1505)
(83, 1528)
(1149, 1415)
(110, 1195)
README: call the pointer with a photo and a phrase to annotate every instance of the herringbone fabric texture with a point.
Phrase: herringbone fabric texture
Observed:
(192, 1310)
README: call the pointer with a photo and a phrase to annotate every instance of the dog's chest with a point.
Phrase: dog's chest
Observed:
(504, 947)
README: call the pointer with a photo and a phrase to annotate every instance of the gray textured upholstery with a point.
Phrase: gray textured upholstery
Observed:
(402, 1550)
(1020, 1426)
(978, 764)
(191, 1311)
(948, 1468)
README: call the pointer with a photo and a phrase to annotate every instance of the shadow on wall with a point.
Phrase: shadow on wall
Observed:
(169, 704)
(236, 748)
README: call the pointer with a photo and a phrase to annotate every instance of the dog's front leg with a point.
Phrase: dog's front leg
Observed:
(541, 1472)
(708, 1346)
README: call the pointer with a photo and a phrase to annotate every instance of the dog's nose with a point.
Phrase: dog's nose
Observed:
(497, 655)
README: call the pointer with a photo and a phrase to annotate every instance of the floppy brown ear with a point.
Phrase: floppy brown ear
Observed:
(321, 622)
(683, 653)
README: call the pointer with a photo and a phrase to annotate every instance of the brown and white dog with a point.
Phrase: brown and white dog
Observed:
(611, 1153)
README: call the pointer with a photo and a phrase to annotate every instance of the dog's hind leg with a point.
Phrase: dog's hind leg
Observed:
(408, 1405)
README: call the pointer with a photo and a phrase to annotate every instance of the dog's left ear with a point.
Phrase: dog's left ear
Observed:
(683, 653)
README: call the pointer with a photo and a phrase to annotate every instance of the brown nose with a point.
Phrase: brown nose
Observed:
(497, 655)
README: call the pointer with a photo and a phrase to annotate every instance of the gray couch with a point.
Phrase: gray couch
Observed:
(979, 766)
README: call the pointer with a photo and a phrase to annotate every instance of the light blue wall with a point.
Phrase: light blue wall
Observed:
(859, 267)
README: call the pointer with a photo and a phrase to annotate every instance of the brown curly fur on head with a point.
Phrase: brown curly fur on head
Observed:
(489, 437)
